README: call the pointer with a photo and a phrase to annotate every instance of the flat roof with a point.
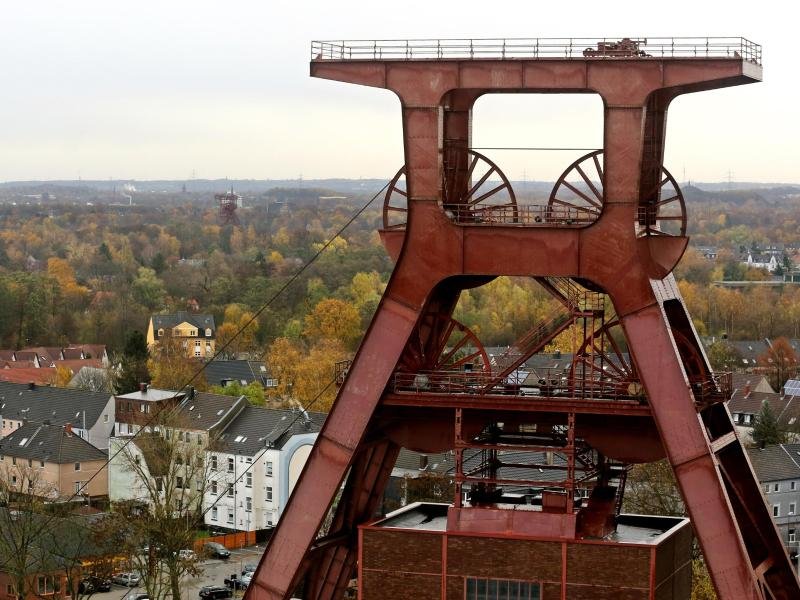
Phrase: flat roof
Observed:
(631, 529)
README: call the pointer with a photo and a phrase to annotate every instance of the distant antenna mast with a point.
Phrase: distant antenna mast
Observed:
(228, 203)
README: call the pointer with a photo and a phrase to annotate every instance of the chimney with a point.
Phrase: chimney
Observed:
(143, 388)
(68, 429)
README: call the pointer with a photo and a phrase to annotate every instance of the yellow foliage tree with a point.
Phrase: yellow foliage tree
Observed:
(333, 319)
(237, 319)
(60, 270)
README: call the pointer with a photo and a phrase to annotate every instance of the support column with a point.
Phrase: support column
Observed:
(689, 453)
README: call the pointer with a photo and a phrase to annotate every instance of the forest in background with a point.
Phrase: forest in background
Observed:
(94, 273)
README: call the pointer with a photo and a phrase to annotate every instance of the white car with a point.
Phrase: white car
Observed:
(186, 554)
(126, 579)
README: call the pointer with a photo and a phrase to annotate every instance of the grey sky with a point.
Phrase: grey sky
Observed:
(147, 90)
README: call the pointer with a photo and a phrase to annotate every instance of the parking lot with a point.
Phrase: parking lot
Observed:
(215, 571)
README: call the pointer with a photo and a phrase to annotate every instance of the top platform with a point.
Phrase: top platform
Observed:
(537, 49)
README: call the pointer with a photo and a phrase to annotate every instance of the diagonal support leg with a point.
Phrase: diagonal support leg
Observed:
(719, 520)
(280, 568)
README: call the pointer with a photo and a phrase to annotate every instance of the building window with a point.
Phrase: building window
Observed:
(793, 485)
(269, 493)
(78, 486)
(792, 507)
(230, 490)
(230, 517)
(199, 439)
(213, 462)
(501, 589)
(776, 487)
(105, 418)
(248, 480)
(214, 514)
(776, 510)
(792, 536)
(231, 463)
(199, 485)
(159, 484)
(41, 463)
(214, 487)
(77, 466)
(269, 468)
(179, 483)
(208, 331)
(747, 419)
(160, 333)
(248, 504)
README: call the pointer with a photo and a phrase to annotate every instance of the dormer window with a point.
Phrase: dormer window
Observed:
(208, 331)
(160, 332)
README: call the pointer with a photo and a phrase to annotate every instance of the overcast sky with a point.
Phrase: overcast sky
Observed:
(172, 89)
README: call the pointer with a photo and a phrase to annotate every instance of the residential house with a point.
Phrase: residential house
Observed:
(53, 462)
(91, 414)
(258, 461)
(196, 332)
(196, 419)
(254, 455)
(778, 470)
(39, 364)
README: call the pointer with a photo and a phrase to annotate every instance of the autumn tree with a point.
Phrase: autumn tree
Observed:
(723, 355)
(651, 490)
(170, 475)
(148, 289)
(238, 331)
(780, 360)
(171, 368)
(283, 358)
(333, 319)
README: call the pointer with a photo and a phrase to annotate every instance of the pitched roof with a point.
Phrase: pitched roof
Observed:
(776, 463)
(200, 321)
(238, 370)
(26, 375)
(206, 411)
(256, 427)
(49, 443)
(57, 405)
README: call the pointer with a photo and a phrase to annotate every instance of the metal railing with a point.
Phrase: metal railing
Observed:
(526, 214)
(549, 384)
(538, 48)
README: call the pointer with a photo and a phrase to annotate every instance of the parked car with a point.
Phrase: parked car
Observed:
(246, 577)
(141, 597)
(249, 568)
(186, 554)
(93, 584)
(216, 550)
(214, 592)
(236, 583)
(127, 579)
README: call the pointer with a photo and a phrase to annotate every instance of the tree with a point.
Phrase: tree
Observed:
(148, 289)
(780, 360)
(724, 355)
(95, 379)
(651, 490)
(172, 369)
(170, 475)
(133, 363)
(766, 429)
(333, 319)
(252, 391)
(283, 357)
(239, 321)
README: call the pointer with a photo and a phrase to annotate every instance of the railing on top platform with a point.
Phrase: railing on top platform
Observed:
(538, 48)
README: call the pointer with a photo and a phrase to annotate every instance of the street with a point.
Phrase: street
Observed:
(215, 571)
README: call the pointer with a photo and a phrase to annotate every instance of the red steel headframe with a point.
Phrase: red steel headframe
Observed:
(441, 251)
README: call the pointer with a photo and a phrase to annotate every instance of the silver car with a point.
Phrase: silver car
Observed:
(127, 579)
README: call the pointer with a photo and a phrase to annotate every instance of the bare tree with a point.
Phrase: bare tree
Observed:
(171, 475)
(22, 522)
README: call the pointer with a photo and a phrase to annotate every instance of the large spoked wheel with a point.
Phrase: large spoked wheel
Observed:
(578, 197)
(395, 202)
(602, 367)
(476, 190)
(663, 209)
(442, 344)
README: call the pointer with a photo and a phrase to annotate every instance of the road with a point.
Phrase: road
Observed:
(215, 571)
